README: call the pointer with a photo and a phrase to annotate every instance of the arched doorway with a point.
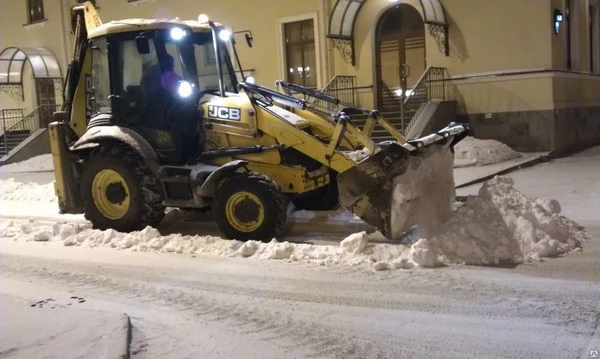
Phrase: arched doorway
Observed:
(400, 52)
(47, 80)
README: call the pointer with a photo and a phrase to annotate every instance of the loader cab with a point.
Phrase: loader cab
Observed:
(152, 81)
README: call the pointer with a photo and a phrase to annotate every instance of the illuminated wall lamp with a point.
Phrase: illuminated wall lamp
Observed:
(557, 19)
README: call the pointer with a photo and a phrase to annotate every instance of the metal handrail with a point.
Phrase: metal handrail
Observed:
(38, 118)
(10, 114)
(427, 89)
(337, 86)
(420, 82)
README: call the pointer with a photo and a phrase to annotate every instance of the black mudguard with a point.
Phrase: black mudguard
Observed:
(210, 186)
(127, 136)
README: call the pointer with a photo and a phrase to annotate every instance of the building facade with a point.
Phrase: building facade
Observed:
(524, 72)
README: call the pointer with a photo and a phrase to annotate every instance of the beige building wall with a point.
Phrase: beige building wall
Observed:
(264, 18)
(49, 33)
(571, 90)
(479, 32)
(497, 48)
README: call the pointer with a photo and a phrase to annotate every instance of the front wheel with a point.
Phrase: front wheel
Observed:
(249, 206)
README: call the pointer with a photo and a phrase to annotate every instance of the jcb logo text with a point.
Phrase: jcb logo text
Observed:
(224, 113)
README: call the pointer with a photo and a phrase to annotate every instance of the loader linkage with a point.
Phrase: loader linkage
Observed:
(367, 188)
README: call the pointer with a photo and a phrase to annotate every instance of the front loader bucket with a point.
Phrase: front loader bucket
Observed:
(404, 185)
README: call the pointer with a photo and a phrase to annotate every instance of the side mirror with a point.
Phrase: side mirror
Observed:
(249, 39)
(143, 45)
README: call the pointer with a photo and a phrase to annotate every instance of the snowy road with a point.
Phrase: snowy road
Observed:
(216, 308)
(190, 306)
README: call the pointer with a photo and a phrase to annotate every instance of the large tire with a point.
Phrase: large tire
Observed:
(129, 181)
(249, 206)
(325, 198)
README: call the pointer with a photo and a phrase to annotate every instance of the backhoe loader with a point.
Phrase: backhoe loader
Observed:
(154, 116)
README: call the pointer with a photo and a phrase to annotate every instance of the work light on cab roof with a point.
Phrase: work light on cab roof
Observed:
(203, 18)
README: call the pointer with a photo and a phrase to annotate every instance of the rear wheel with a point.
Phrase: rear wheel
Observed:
(119, 191)
(249, 206)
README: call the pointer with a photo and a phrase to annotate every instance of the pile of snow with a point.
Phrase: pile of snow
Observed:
(11, 190)
(500, 224)
(34, 164)
(475, 152)
(149, 239)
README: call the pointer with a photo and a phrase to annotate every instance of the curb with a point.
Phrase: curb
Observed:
(119, 341)
(531, 163)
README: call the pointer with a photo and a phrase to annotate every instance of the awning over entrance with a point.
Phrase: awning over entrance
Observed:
(433, 12)
(343, 17)
(345, 12)
(341, 26)
(12, 63)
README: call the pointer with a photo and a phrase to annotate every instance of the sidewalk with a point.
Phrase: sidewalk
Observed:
(465, 176)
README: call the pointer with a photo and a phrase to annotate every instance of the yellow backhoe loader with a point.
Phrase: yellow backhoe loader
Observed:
(154, 117)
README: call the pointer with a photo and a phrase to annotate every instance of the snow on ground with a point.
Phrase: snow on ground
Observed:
(51, 328)
(500, 224)
(37, 163)
(476, 152)
(11, 190)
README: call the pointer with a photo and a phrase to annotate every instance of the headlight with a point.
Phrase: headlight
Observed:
(225, 35)
(185, 89)
(177, 33)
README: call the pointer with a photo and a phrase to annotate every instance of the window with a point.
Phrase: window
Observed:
(100, 78)
(206, 64)
(300, 53)
(594, 23)
(35, 11)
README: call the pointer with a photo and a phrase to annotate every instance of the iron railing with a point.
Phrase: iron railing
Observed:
(342, 87)
(10, 117)
(401, 110)
(431, 87)
(38, 118)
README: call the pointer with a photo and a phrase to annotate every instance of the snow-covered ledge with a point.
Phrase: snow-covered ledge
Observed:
(36, 144)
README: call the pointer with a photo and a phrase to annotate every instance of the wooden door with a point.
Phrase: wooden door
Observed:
(46, 100)
(400, 63)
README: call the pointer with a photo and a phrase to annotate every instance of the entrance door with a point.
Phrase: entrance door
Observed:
(46, 100)
(400, 55)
